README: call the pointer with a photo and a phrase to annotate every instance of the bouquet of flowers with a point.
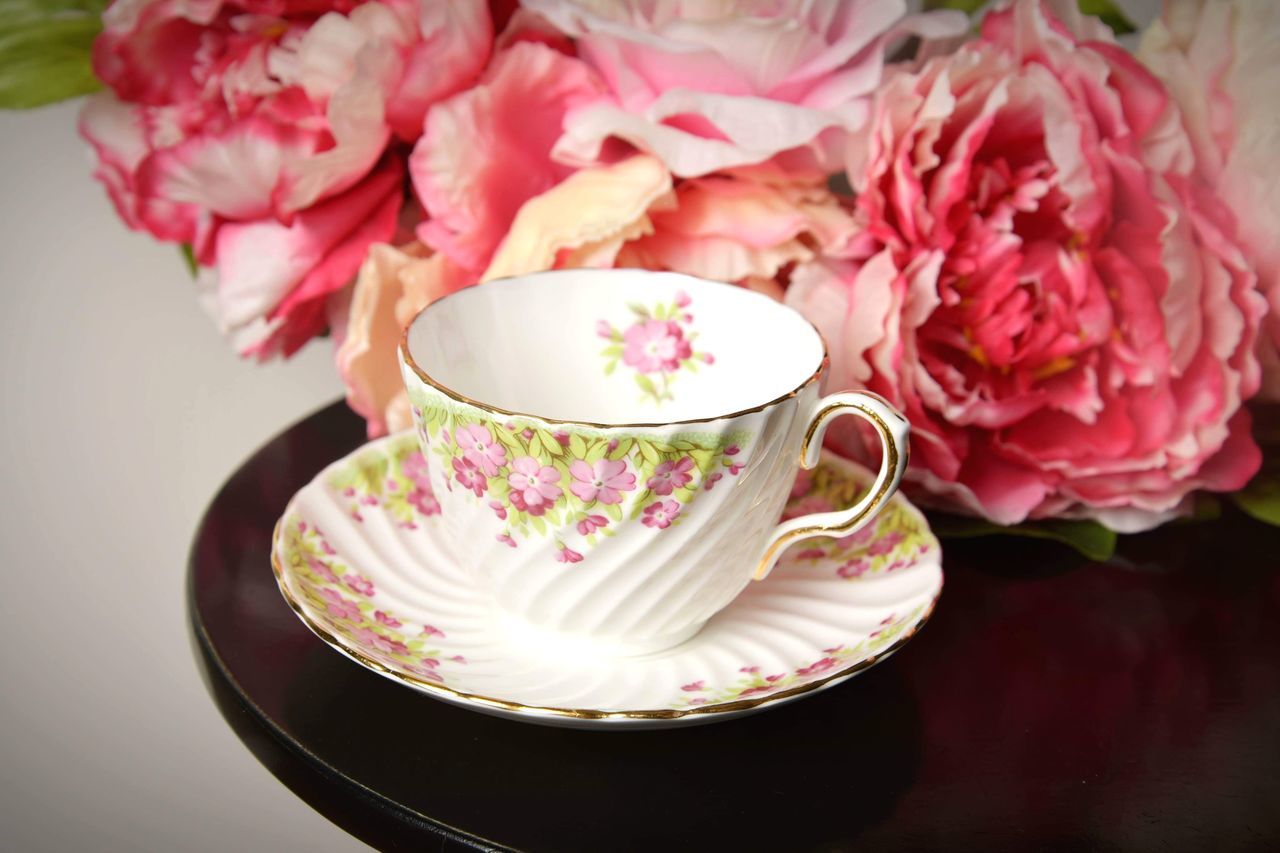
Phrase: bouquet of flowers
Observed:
(1054, 254)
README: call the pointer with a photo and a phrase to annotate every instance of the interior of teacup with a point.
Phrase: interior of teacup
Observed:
(614, 346)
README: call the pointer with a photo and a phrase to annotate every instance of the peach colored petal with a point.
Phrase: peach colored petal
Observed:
(588, 215)
(392, 286)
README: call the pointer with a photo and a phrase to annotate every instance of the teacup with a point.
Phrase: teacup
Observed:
(612, 449)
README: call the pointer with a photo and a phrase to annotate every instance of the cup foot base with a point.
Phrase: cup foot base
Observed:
(561, 643)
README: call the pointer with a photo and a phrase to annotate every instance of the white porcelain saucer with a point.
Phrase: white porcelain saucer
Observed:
(359, 557)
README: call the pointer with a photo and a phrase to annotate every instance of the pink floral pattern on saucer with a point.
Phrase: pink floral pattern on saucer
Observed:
(375, 580)
(657, 345)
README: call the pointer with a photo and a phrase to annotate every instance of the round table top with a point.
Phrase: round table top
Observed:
(1050, 702)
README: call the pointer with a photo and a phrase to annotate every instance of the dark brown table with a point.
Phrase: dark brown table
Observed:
(1049, 704)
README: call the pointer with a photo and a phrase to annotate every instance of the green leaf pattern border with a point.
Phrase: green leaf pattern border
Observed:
(573, 484)
(657, 345)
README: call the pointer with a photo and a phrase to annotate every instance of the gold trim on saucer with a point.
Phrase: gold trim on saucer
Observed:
(459, 397)
(458, 696)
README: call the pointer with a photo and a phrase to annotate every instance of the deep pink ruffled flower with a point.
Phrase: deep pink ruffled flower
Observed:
(1044, 285)
(568, 555)
(230, 123)
(469, 476)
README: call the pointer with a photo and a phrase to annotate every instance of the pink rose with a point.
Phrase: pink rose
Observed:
(1043, 285)
(710, 88)
(231, 123)
(1221, 62)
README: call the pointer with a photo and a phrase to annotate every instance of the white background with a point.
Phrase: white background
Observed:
(123, 411)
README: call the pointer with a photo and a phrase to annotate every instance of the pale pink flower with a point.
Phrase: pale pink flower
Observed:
(534, 482)
(390, 645)
(358, 584)
(470, 477)
(854, 568)
(811, 554)
(480, 448)
(710, 87)
(660, 514)
(568, 555)
(1221, 62)
(655, 346)
(322, 570)
(604, 480)
(1045, 286)
(885, 544)
(505, 539)
(424, 501)
(591, 524)
(670, 475)
(339, 607)
(431, 631)
(711, 481)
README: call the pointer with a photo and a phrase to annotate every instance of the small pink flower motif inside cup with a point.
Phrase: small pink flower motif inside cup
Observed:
(655, 346)
(480, 449)
(603, 480)
(591, 524)
(534, 482)
(568, 555)
(660, 514)
(466, 473)
(669, 476)
(339, 607)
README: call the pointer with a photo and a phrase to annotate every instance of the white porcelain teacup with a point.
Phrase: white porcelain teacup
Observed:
(612, 449)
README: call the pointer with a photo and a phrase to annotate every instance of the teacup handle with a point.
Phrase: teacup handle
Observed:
(893, 430)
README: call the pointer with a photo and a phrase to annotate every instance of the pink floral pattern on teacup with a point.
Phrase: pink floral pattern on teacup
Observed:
(573, 485)
(657, 345)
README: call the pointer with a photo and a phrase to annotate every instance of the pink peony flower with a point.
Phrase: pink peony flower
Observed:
(568, 555)
(708, 88)
(227, 119)
(470, 477)
(655, 346)
(484, 152)
(604, 480)
(339, 607)
(533, 484)
(1043, 285)
(591, 524)
(660, 514)
(1221, 62)
(480, 448)
(669, 476)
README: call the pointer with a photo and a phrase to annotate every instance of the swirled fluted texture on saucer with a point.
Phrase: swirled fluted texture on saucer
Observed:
(360, 557)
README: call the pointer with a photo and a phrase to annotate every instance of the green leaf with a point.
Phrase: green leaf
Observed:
(596, 452)
(189, 257)
(647, 452)
(1261, 498)
(45, 51)
(535, 446)
(538, 524)
(966, 6)
(1090, 538)
(623, 448)
(646, 384)
(610, 367)
(577, 447)
(550, 444)
(1110, 13)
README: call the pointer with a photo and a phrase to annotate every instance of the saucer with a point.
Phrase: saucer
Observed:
(359, 556)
